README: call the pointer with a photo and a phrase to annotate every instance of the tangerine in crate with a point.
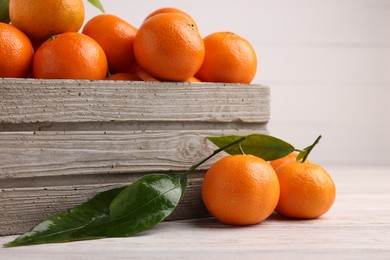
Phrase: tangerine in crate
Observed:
(44, 18)
(228, 58)
(16, 52)
(70, 55)
(169, 47)
(116, 37)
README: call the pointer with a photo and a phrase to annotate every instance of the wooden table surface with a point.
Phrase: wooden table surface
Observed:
(357, 227)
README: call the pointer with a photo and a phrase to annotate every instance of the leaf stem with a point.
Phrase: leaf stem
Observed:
(242, 150)
(311, 148)
(193, 167)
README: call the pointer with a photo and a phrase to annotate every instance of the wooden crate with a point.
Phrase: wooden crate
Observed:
(61, 142)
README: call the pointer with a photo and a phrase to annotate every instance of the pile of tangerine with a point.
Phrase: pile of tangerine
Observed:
(245, 190)
(43, 41)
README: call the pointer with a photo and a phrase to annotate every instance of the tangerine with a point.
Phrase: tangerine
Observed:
(123, 76)
(170, 10)
(169, 47)
(44, 18)
(240, 190)
(141, 73)
(284, 160)
(116, 37)
(192, 79)
(70, 55)
(229, 58)
(306, 190)
(16, 52)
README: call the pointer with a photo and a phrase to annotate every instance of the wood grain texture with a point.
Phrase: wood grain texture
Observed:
(47, 153)
(356, 227)
(53, 101)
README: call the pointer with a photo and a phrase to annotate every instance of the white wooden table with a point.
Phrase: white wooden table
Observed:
(357, 227)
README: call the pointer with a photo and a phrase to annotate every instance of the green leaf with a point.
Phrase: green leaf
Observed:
(263, 146)
(4, 11)
(119, 212)
(140, 206)
(60, 227)
(302, 154)
(305, 152)
(97, 4)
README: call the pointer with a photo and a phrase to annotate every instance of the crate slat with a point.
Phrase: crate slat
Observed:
(32, 101)
(47, 153)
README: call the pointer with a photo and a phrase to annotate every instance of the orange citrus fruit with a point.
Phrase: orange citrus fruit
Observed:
(140, 73)
(44, 18)
(116, 37)
(70, 55)
(229, 58)
(240, 190)
(284, 160)
(123, 76)
(306, 190)
(192, 79)
(170, 10)
(16, 52)
(169, 47)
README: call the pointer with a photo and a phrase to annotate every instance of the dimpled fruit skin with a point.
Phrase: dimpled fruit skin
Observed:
(169, 47)
(16, 52)
(228, 58)
(240, 190)
(70, 56)
(40, 19)
(306, 190)
(116, 37)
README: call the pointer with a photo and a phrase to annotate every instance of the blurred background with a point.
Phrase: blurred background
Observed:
(327, 63)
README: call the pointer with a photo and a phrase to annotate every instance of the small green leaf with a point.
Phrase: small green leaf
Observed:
(140, 206)
(301, 154)
(97, 4)
(4, 11)
(263, 146)
(60, 227)
(305, 152)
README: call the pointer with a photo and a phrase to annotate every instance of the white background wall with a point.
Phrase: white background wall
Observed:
(327, 63)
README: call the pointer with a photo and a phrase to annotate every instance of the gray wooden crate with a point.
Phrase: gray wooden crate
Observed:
(61, 142)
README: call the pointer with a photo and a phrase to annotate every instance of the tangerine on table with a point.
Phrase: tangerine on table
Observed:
(169, 47)
(240, 190)
(44, 18)
(16, 52)
(116, 37)
(306, 190)
(228, 58)
(284, 160)
(70, 55)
